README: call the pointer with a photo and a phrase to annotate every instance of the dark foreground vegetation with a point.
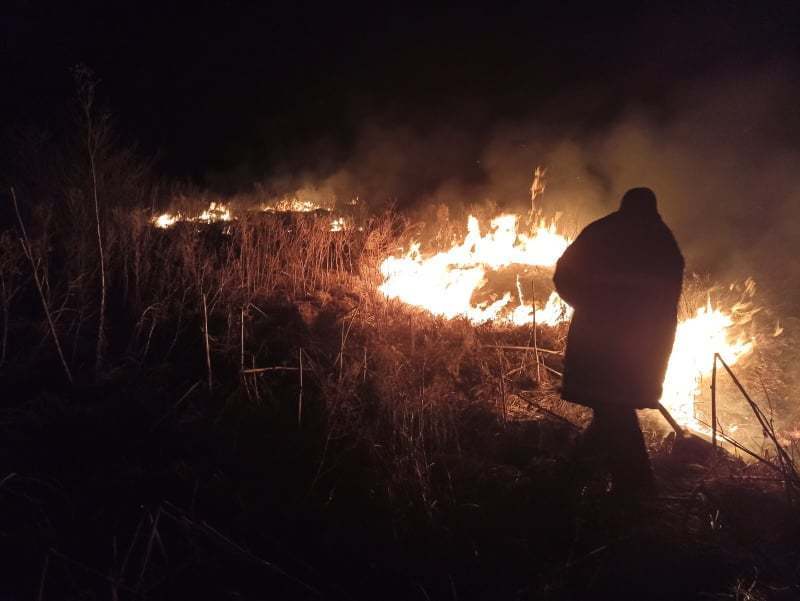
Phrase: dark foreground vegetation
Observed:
(258, 422)
(234, 412)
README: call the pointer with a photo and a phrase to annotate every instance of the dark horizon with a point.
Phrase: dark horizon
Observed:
(223, 93)
(413, 106)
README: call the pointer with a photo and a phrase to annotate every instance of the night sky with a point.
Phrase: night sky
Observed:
(243, 89)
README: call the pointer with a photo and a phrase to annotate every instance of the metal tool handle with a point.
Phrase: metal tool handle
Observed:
(667, 416)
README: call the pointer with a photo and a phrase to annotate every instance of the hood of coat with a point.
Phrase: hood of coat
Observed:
(639, 203)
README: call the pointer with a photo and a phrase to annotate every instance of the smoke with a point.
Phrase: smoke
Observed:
(720, 153)
(723, 163)
(408, 166)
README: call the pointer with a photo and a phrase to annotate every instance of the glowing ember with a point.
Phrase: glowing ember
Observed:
(445, 284)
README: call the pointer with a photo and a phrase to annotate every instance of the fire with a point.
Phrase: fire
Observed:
(215, 212)
(291, 205)
(167, 220)
(338, 224)
(696, 340)
(445, 284)
(218, 211)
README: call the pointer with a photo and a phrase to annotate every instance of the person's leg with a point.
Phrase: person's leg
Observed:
(590, 457)
(628, 461)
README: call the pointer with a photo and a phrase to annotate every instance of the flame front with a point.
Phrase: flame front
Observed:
(707, 332)
(291, 205)
(218, 211)
(167, 220)
(215, 212)
(445, 284)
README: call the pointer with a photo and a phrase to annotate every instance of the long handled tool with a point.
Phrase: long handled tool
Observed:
(689, 445)
(675, 425)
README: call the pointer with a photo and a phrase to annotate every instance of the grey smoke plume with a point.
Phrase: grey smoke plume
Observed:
(725, 164)
(721, 153)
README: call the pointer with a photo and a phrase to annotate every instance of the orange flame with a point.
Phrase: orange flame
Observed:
(291, 205)
(445, 283)
(697, 339)
(215, 212)
(218, 211)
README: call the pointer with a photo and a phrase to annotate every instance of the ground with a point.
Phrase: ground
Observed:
(398, 469)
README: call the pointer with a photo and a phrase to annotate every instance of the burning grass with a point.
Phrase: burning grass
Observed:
(494, 275)
(261, 385)
(265, 422)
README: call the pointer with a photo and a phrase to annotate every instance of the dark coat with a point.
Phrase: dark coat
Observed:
(623, 276)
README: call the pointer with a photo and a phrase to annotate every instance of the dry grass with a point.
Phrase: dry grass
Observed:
(253, 372)
(406, 385)
(364, 400)
(280, 319)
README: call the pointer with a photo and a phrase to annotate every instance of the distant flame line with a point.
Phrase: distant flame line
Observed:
(220, 212)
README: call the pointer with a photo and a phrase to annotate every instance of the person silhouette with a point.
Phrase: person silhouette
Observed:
(623, 276)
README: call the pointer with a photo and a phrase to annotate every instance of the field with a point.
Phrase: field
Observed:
(233, 410)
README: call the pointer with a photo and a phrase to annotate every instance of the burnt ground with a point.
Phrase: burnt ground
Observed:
(146, 485)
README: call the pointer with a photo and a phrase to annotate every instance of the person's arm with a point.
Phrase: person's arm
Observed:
(570, 277)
